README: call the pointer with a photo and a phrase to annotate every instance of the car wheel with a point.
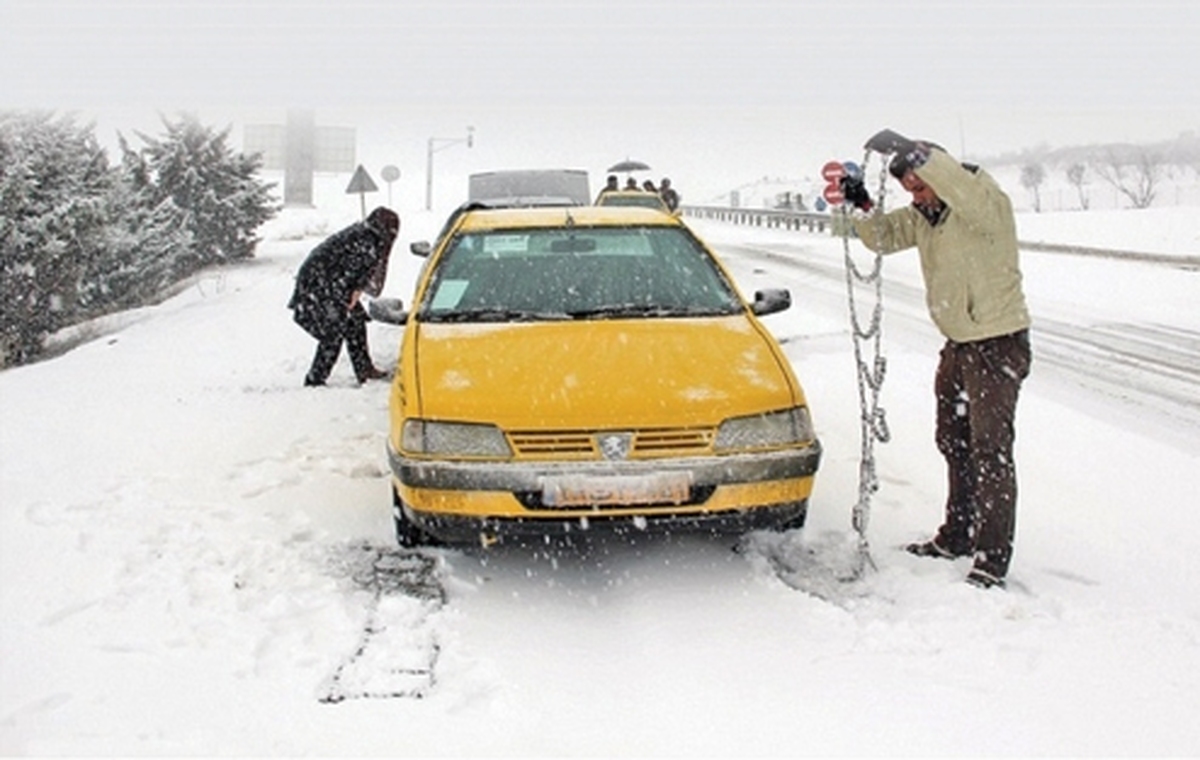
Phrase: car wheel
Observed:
(408, 535)
(796, 522)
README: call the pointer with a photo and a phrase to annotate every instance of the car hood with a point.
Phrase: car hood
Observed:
(600, 374)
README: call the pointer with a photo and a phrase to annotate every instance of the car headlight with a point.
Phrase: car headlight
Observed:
(454, 439)
(762, 431)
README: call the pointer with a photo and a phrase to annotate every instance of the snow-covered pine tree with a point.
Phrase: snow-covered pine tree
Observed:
(216, 189)
(54, 181)
(79, 239)
(141, 242)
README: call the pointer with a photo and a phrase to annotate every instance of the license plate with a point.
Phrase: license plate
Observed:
(610, 490)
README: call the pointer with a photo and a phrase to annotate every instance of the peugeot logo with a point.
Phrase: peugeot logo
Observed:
(615, 445)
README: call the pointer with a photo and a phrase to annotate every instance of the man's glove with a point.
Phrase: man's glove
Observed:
(887, 141)
(855, 192)
(909, 160)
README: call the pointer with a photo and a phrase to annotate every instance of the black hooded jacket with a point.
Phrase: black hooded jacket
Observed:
(351, 260)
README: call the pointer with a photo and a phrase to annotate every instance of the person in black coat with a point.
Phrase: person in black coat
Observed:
(669, 195)
(328, 286)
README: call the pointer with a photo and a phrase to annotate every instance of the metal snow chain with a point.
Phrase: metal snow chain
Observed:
(870, 376)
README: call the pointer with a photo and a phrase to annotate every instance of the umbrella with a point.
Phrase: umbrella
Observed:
(629, 166)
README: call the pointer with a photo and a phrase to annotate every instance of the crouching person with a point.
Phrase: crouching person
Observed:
(329, 285)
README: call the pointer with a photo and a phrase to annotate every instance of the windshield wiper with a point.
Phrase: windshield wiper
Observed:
(496, 315)
(618, 311)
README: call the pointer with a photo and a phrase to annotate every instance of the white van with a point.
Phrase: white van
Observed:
(530, 187)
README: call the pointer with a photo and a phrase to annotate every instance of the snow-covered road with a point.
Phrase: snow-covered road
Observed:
(1142, 353)
(196, 556)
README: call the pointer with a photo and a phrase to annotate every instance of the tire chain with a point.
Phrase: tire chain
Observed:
(397, 651)
(870, 374)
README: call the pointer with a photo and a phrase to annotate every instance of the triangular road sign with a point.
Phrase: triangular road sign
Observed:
(361, 182)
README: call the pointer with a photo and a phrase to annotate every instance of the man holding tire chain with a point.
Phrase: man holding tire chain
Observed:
(963, 228)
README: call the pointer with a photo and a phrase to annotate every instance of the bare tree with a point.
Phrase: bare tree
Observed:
(1135, 176)
(1077, 176)
(1032, 176)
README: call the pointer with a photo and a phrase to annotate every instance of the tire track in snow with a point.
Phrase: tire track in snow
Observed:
(397, 653)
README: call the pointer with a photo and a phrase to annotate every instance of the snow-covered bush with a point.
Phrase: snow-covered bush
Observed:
(80, 238)
(54, 183)
(222, 201)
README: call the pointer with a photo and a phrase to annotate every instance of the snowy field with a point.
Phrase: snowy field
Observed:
(196, 554)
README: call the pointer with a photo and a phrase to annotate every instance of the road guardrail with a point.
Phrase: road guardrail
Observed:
(784, 219)
(813, 221)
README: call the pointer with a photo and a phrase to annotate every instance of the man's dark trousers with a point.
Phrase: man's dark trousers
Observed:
(977, 385)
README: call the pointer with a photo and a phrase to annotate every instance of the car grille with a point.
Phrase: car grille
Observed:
(584, 444)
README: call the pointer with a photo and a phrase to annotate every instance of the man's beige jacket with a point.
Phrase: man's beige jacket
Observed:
(969, 258)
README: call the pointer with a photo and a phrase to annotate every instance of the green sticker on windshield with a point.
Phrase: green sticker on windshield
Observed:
(448, 294)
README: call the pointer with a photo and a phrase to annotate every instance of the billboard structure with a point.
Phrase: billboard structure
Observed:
(300, 148)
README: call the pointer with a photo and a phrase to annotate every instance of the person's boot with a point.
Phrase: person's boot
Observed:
(981, 578)
(373, 373)
(932, 548)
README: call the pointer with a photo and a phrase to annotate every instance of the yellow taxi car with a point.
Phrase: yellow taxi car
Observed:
(590, 368)
(642, 198)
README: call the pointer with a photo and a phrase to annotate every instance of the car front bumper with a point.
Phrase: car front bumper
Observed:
(741, 489)
(485, 531)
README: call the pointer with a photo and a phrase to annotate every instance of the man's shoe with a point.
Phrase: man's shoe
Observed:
(310, 383)
(980, 578)
(932, 548)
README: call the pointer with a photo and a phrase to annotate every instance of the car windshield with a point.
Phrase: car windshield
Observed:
(645, 200)
(576, 273)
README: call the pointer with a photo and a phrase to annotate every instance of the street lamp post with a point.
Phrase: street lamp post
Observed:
(436, 144)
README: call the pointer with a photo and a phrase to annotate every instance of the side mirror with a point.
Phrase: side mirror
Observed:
(421, 248)
(771, 301)
(387, 310)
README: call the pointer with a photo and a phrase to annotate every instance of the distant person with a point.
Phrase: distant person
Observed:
(669, 196)
(611, 185)
(631, 184)
(649, 187)
(328, 286)
(962, 225)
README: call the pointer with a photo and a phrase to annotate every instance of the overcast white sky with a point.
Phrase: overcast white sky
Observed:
(747, 85)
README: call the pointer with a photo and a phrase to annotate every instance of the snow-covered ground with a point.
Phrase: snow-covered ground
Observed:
(1163, 230)
(196, 552)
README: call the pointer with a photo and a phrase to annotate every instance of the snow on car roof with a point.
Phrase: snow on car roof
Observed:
(483, 219)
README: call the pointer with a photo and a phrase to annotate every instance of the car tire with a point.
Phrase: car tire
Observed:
(408, 535)
(797, 522)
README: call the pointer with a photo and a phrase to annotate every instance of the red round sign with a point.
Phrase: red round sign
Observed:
(833, 171)
(833, 194)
